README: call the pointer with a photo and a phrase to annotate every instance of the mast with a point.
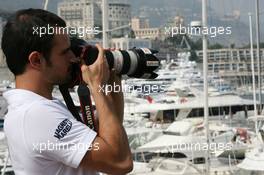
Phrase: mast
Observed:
(252, 64)
(205, 72)
(46, 2)
(105, 23)
(258, 57)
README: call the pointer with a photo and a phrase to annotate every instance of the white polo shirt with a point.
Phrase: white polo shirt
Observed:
(43, 137)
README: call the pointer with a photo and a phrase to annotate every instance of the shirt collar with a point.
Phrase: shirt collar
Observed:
(21, 96)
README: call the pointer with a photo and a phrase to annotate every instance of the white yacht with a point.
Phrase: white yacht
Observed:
(254, 158)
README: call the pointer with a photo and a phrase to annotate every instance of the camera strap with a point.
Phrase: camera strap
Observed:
(85, 103)
(69, 102)
(86, 106)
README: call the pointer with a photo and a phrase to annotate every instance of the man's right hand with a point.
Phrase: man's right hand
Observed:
(98, 73)
(114, 155)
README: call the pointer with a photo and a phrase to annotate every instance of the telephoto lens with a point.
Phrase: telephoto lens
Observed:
(135, 63)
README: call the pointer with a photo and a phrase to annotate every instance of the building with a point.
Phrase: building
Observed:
(129, 43)
(88, 13)
(178, 21)
(119, 16)
(83, 15)
(94, 41)
(232, 64)
(139, 23)
(124, 43)
(148, 33)
(1, 27)
(2, 62)
(142, 30)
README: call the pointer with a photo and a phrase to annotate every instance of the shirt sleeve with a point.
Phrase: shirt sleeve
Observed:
(52, 133)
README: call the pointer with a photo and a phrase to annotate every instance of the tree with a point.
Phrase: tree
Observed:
(232, 46)
(194, 56)
(216, 46)
(132, 34)
(261, 45)
(197, 45)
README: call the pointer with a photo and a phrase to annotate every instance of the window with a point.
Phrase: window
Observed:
(71, 14)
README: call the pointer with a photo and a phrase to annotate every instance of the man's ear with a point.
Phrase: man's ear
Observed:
(35, 60)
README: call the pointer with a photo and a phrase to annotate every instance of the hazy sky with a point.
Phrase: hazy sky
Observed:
(220, 7)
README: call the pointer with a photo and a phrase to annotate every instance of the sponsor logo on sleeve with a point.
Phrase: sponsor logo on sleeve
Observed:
(63, 128)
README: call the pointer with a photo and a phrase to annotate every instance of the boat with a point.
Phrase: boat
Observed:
(254, 158)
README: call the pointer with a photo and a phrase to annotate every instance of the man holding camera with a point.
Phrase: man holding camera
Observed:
(43, 136)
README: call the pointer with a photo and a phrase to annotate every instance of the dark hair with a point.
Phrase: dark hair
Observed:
(19, 39)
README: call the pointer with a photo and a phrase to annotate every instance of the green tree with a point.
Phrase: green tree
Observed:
(194, 56)
(216, 46)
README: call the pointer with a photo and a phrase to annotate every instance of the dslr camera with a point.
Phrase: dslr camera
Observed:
(135, 63)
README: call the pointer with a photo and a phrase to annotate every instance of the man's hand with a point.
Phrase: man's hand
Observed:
(116, 98)
(96, 74)
(114, 155)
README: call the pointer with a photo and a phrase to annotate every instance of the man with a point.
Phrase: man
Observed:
(43, 137)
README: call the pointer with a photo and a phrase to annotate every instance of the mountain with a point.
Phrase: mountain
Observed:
(233, 13)
(226, 13)
(160, 12)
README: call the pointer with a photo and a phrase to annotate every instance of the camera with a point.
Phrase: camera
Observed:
(135, 63)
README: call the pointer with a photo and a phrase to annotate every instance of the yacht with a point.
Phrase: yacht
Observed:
(254, 157)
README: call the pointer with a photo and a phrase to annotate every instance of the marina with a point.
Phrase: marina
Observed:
(201, 115)
(167, 133)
